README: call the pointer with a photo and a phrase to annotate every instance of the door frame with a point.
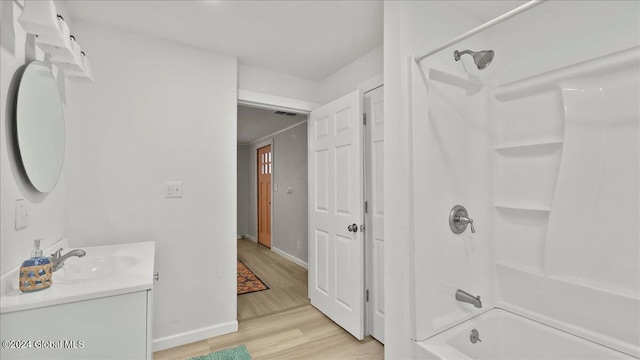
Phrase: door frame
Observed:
(271, 102)
(364, 87)
(368, 239)
(274, 102)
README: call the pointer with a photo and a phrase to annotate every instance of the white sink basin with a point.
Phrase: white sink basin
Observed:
(92, 266)
(104, 271)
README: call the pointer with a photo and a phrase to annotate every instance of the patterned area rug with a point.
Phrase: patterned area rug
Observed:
(237, 353)
(248, 282)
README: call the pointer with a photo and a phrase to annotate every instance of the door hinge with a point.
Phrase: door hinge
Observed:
(364, 118)
(366, 207)
(367, 295)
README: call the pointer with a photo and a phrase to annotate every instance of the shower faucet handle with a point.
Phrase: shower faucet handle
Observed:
(465, 220)
(459, 219)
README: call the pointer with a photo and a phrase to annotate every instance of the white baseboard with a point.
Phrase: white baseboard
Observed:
(194, 335)
(247, 236)
(290, 257)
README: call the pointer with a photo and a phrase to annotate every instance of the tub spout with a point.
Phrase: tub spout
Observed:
(464, 296)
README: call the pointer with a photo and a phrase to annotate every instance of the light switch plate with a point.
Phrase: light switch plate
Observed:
(22, 214)
(173, 189)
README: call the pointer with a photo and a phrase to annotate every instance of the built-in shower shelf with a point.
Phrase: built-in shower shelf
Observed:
(534, 146)
(518, 207)
(460, 80)
(550, 79)
(597, 286)
(519, 268)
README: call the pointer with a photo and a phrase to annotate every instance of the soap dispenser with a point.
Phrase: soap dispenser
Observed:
(35, 273)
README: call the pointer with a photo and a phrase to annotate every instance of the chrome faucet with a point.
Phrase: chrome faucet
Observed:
(58, 260)
(464, 296)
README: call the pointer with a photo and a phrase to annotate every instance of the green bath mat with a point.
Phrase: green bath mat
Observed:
(237, 353)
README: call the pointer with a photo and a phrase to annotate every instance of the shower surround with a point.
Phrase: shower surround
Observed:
(542, 148)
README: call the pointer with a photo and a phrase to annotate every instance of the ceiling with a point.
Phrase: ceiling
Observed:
(306, 39)
(485, 10)
(254, 123)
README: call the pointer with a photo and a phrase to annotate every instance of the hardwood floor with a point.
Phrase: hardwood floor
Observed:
(300, 333)
(286, 280)
(279, 323)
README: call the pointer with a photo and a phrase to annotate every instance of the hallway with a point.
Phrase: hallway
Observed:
(286, 280)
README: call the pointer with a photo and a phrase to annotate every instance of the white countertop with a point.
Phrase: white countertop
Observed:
(136, 277)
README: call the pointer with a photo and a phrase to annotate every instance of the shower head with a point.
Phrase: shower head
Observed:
(481, 58)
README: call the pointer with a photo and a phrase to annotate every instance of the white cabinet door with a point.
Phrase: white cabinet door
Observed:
(113, 327)
(336, 251)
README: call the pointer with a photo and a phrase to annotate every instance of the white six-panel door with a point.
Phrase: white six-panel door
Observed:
(336, 254)
(374, 234)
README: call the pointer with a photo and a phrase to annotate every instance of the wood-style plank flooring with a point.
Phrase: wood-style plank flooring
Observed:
(297, 334)
(286, 280)
(291, 329)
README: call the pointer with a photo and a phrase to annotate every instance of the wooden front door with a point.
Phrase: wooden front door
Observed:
(264, 195)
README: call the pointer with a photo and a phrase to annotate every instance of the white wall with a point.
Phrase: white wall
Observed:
(160, 112)
(243, 189)
(398, 297)
(338, 84)
(452, 166)
(420, 194)
(47, 212)
(290, 209)
(351, 75)
(273, 83)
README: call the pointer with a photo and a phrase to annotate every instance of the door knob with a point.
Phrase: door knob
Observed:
(352, 228)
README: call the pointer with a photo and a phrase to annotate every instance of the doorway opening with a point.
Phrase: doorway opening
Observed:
(272, 205)
(344, 157)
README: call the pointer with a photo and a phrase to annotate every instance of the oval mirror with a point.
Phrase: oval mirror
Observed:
(40, 126)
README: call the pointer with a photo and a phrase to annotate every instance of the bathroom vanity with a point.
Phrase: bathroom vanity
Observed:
(99, 307)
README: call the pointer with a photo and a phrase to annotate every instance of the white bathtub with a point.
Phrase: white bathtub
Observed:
(509, 336)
